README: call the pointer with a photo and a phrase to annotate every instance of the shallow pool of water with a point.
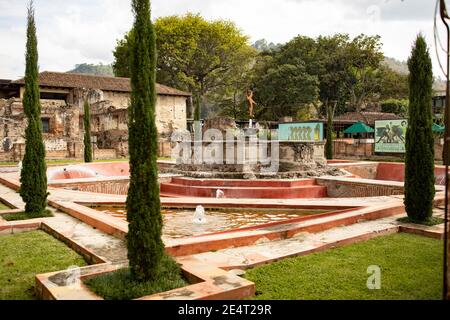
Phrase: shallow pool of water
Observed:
(179, 223)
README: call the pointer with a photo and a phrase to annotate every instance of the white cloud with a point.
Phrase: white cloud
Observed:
(86, 30)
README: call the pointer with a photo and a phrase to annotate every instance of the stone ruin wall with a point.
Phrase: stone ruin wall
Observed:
(62, 141)
(109, 123)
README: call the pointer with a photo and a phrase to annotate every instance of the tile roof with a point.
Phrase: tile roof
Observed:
(368, 117)
(88, 81)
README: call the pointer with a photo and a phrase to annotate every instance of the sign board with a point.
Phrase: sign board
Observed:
(303, 132)
(390, 136)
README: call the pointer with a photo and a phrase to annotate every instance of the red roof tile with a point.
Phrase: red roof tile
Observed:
(106, 83)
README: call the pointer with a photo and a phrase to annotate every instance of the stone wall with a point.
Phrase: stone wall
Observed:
(109, 124)
(109, 121)
(117, 187)
(62, 140)
(362, 170)
(345, 188)
(352, 148)
(298, 155)
(105, 154)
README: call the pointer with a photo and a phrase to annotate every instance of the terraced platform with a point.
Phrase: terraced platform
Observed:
(243, 189)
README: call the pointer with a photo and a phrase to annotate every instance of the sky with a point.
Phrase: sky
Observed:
(86, 31)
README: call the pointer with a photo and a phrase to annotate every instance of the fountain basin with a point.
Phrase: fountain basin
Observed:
(179, 224)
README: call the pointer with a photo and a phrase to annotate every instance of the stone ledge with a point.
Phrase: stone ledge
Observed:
(434, 232)
(209, 283)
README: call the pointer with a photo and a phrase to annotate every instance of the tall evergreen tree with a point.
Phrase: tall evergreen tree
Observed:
(197, 110)
(419, 161)
(87, 133)
(33, 177)
(329, 144)
(145, 246)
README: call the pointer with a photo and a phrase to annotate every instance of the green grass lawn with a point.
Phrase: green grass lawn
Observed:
(411, 269)
(3, 207)
(22, 256)
(24, 216)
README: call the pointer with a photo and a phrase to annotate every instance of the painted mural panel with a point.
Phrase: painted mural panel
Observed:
(390, 136)
(304, 132)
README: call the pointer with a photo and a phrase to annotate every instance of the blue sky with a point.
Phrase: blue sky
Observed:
(78, 31)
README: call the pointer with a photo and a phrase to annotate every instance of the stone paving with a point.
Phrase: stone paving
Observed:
(303, 243)
(11, 197)
(105, 246)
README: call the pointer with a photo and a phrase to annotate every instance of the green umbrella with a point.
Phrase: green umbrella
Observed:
(438, 129)
(359, 127)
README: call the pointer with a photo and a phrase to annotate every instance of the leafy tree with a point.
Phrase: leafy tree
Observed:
(332, 69)
(230, 98)
(145, 247)
(194, 54)
(299, 89)
(87, 133)
(285, 80)
(399, 107)
(121, 65)
(364, 57)
(419, 160)
(33, 177)
(393, 85)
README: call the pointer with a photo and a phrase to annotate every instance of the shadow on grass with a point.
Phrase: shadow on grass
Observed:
(433, 221)
(26, 216)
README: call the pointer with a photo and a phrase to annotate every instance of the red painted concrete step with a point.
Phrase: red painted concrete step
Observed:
(239, 192)
(244, 183)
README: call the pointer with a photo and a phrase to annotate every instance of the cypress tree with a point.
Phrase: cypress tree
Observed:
(33, 176)
(87, 133)
(145, 246)
(197, 110)
(419, 160)
(329, 144)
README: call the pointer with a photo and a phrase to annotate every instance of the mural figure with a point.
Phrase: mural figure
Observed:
(392, 133)
(390, 136)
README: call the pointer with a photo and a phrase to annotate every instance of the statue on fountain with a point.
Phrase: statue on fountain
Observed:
(251, 103)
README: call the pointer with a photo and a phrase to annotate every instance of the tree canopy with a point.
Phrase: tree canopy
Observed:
(333, 70)
(200, 56)
(213, 60)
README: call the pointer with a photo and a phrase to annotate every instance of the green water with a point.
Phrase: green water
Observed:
(179, 223)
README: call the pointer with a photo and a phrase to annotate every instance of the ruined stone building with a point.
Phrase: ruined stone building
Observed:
(62, 100)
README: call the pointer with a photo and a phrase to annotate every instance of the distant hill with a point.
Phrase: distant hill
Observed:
(263, 45)
(96, 69)
(396, 65)
(402, 68)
